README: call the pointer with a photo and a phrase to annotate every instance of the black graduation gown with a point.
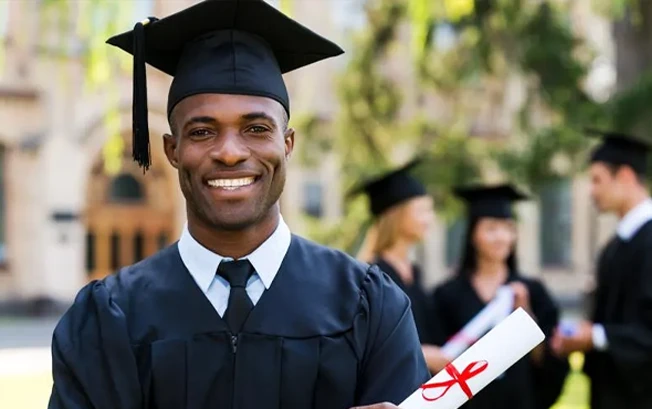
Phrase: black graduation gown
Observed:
(418, 298)
(330, 333)
(621, 376)
(525, 385)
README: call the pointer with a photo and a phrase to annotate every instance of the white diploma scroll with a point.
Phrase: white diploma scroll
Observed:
(483, 362)
(496, 311)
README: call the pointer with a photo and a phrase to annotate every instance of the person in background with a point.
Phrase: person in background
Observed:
(617, 339)
(489, 262)
(403, 213)
(239, 313)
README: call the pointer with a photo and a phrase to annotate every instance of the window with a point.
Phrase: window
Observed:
(3, 205)
(125, 188)
(90, 252)
(139, 247)
(455, 236)
(162, 240)
(312, 199)
(115, 251)
(556, 226)
(4, 18)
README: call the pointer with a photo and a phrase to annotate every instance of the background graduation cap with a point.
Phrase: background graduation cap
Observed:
(619, 149)
(490, 201)
(218, 46)
(391, 188)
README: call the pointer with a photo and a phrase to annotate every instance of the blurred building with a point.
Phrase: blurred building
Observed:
(65, 220)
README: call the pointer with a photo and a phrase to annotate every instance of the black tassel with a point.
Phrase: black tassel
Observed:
(140, 124)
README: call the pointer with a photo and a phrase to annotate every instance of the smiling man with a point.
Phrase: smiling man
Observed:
(239, 313)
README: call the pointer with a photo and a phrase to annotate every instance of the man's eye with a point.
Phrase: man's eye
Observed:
(199, 132)
(258, 129)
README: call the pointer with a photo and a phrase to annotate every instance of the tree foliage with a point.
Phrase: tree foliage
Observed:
(489, 46)
(82, 28)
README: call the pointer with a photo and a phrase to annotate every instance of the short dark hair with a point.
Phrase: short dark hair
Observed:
(615, 167)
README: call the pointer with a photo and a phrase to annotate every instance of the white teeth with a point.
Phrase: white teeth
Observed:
(231, 184)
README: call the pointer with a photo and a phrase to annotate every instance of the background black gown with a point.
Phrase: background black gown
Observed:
(421, 308)
(525, 385)
(330, 333)
(621, 377)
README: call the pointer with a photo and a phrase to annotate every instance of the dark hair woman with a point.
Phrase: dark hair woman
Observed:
(489, 262)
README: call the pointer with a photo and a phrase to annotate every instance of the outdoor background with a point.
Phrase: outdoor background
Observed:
(491, 90)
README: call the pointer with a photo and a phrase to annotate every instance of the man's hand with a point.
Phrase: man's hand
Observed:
(384, 405)
(581, 340)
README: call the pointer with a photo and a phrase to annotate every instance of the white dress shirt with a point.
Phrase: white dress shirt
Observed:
(627, 229)
(634, 220)
(202, 265)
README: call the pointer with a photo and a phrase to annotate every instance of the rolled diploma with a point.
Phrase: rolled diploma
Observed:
(483, 362)
(496, 311)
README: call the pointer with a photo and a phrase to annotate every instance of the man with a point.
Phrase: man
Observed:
(618, 340)
(239, 313)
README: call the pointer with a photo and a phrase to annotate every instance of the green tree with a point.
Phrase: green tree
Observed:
(83, 27)
(493, 43)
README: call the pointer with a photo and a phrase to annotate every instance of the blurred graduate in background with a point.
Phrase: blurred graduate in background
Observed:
(488, 263)
(403, 213)
(617, 339)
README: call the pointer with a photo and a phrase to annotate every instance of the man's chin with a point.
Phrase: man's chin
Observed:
(233, 224)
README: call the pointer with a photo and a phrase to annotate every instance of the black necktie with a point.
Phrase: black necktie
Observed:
(237, 273)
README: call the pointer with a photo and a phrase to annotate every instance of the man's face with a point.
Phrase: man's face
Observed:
(231, 153)
(606, 188)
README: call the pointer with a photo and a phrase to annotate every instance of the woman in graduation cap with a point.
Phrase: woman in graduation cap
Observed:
(489, 262)
(403, 213)
(239, 313)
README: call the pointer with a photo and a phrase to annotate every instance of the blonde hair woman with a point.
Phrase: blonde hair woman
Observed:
(403, 213)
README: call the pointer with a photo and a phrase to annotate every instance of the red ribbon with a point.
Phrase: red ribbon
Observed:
(473, 369)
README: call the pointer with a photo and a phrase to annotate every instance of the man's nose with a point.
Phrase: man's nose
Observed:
(229, 149)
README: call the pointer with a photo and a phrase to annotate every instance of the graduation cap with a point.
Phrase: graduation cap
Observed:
(240, 47)
(391, 188)
(490, 201)
(621, 149)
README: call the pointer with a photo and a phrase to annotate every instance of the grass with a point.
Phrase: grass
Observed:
(32, 391)
(576, 390)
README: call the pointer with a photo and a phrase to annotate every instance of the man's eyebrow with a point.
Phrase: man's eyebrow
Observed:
(200, 120)
(259, 115)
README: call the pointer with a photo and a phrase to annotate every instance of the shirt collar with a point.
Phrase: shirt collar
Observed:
(266, 259)
(635, 219)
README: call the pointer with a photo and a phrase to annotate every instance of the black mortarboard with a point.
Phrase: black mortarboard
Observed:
(391, 188)
(218, 46)
(490, 201)
(621, 149)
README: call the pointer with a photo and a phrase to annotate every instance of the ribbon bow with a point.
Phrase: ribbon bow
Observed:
(473, 369)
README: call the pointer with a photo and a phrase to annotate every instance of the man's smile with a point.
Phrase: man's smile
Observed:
(231, 184)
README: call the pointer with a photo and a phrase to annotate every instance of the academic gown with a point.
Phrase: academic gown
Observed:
(621, 376)
(525, 385)
(418, 298)
(329, 333)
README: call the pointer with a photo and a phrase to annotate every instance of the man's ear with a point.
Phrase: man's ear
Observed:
(627, 174)
(289, 142)
(170, 144)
